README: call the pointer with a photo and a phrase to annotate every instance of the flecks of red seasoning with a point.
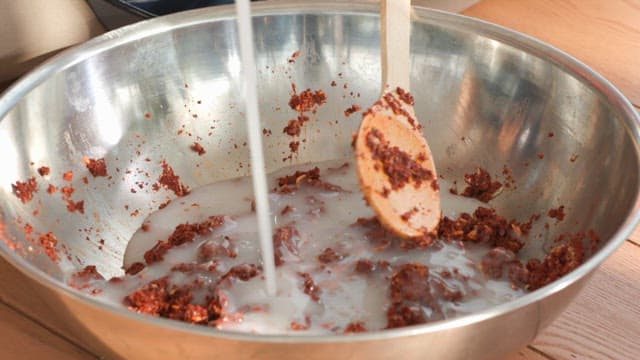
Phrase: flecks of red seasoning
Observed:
(49, 242)
(352, 109)
(198, 148)
(398, 165)
(293, 57)
(68, 176)
(44, 171)
(25, 190)
(480, 186)
(72, 206)
(558, 213)
(97, 167)
(171, 181)
(307, 101)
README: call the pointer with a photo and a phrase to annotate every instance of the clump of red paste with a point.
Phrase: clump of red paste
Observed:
(25, 190)
(480, 185)
(398, 165)
(97, 167)
(171, 181)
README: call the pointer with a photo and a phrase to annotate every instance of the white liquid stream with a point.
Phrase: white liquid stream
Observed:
(259, 177)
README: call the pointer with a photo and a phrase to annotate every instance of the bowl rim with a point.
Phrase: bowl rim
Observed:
(504, 35)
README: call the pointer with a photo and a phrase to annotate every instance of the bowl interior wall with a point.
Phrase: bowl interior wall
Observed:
(482, 102)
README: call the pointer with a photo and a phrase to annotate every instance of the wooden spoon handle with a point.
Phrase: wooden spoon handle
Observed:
(395, 35)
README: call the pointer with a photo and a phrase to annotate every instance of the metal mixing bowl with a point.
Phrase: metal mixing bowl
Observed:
(486, 96)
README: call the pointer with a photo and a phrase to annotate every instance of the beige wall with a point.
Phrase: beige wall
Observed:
(32, 30)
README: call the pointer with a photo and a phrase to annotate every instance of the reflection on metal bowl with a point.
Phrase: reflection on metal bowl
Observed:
(500, 91)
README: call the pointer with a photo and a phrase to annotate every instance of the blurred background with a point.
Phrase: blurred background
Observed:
(33, 30)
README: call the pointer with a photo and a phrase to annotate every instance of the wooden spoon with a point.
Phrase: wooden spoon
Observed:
(394, 162)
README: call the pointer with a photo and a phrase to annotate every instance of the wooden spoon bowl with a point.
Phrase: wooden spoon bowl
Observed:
(394, 163)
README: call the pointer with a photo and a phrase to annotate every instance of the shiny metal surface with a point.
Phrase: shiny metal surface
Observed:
(487, 97)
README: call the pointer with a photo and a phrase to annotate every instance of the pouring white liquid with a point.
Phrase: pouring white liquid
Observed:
(245, 33)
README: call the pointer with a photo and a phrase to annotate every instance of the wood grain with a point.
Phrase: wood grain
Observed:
(528, 354)
(21, 293)
(23, 339)
(603, 34)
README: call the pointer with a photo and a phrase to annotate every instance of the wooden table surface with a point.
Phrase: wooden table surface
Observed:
(602, 323)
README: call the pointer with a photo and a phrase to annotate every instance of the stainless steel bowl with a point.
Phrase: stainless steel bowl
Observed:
(487, 96)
